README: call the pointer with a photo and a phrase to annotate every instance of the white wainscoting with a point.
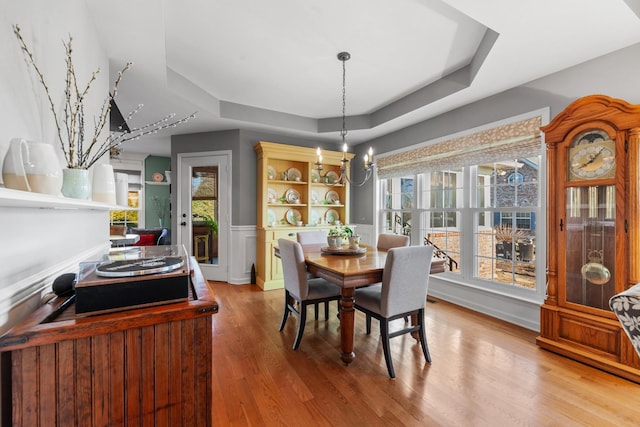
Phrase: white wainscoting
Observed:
(243, 254)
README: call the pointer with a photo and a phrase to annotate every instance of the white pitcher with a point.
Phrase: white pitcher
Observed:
(32, 166)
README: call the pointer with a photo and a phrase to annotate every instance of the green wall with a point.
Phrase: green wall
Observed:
(157, 198)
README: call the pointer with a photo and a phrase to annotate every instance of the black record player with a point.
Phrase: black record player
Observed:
(145, 276)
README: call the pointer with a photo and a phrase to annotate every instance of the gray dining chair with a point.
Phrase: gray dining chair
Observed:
(402, 292)
(300, 289)
(312, 237)
(388, 241)
(315, 237)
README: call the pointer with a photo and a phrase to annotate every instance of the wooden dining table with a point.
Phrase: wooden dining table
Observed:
(350, 272)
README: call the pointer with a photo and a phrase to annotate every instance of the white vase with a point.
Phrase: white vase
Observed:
(122, 189)
(75, 183)
(32, 166)
(354, 242)
(334, 241)
(104, 184)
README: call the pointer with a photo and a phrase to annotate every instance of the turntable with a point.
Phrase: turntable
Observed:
(150, 275)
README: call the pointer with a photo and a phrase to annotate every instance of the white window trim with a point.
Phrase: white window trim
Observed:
(492, 305)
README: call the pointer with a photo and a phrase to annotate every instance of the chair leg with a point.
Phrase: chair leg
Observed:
(423, 337)
(302, 319)
(326, 310)
(368, 323)
(285, 314)
(384, 328)
(315, 308)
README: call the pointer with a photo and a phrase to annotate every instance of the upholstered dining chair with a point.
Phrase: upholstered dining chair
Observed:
(402, 292)
(388, 241)
(299, 289)
(314, 237)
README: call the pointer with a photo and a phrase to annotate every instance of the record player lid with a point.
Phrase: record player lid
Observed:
(139, 267)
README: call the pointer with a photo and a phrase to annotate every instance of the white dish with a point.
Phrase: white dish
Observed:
(315, 217)
(315, 198)
(271, 216)
(294, 174)
(331, 177)
(292, 196)
(272, 195)
(332, 197)
(293, 216)
(271, 172)
(331, 216)
(315, 176)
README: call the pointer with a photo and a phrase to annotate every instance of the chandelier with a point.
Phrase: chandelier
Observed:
(344, 162)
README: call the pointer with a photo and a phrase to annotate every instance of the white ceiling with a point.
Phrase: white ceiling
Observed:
(271, 65)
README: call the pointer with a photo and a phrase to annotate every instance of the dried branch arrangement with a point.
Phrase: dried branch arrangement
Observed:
(80, 152)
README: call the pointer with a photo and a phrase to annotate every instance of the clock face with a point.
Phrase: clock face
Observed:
(592, 161)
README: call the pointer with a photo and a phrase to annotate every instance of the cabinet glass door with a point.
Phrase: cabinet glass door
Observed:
(590, 245)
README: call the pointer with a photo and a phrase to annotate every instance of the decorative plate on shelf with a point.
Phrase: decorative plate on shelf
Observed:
(294, 174)
(292, 196)
(157, 177)
(315, 198)
(293, 216)
(272, 195)
(315, 217)
(331, 216)
(331, 177)
(315, 176)
(271, 216)
(332, 196)
(271, 172)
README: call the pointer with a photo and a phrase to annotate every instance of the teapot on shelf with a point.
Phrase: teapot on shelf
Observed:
(32, 166)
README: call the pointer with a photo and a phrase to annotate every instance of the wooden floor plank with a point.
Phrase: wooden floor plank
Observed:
(484, 372)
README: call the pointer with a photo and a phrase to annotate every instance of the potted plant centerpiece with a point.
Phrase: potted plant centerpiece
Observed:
(82, 141)
(340, 233)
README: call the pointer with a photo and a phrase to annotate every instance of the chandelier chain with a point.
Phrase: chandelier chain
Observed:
(343, 132)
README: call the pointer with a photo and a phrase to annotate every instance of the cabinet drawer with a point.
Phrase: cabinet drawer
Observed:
(282, 234)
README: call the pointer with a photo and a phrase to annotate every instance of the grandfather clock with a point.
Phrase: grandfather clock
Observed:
(593, 231)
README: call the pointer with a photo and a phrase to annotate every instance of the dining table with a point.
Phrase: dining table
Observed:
(350, 271)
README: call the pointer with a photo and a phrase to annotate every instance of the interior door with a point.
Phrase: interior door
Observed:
(203, 210)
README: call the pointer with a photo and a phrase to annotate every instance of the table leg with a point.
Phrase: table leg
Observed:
(347, 316)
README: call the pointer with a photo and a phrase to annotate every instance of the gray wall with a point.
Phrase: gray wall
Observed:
(244, 162)
(613, 75)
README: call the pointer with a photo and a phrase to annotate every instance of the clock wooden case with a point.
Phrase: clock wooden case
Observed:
(593, 231)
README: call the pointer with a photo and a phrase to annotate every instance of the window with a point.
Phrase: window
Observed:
(477, 205)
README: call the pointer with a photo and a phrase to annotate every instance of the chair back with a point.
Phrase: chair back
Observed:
(388, 241)
(312, 237)
(294, 268)
(405, 279)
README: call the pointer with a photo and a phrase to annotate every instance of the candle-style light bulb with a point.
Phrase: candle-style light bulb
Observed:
(370, 155)
(366, 160)
(344, 148)
(319, 159)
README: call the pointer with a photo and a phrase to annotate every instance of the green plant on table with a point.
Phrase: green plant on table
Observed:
(343, 231)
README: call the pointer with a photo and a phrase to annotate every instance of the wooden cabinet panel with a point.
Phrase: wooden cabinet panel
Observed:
(147, 366)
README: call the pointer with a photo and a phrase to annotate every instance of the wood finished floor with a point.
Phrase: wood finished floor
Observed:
(485, 372)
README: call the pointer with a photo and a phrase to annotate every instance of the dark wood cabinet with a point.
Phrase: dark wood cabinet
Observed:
(149, 366)
(593, 231)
